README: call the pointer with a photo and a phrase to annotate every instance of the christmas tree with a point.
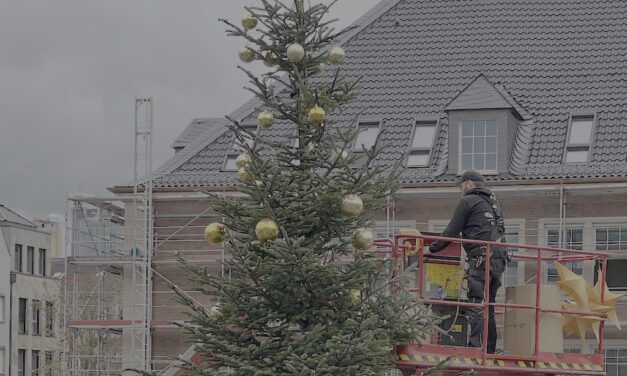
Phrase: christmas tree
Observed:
(305, 296)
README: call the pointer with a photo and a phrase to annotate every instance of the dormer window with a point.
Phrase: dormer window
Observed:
(579, 139)
(478, 146)
(252, 128)
(368, 133)
(421, 144)
(229, 163)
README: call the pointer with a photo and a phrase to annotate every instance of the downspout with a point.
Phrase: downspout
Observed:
(562, 227)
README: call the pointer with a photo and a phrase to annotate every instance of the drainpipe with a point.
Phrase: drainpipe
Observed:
(13, 278)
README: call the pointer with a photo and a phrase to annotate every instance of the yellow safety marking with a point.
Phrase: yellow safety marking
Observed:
(598, 367)
(576, 366)
(479, 361)
(542, 365)
(418, 358)
(522, 364)
(404, 357)
(468, 361)
(430, 358)
(564, 365)
(501, 363)
(587, 366)
(553, 365)
(489, 362)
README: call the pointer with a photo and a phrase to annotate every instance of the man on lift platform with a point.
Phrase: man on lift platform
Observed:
(478, 217)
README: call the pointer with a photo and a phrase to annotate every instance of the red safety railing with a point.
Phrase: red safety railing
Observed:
(542, 254)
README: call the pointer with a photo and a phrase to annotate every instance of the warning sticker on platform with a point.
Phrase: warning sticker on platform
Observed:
(449, 277)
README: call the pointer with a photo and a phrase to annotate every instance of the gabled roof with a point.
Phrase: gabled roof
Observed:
(8, 215)
(195, 129)
(546, 59)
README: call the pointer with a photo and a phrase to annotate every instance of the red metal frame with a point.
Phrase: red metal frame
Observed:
(538, 358)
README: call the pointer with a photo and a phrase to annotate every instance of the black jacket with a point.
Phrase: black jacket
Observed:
(475, 218)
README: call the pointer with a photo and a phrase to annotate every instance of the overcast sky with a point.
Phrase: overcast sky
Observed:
(71, 69)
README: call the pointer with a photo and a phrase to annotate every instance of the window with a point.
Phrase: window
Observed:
(21, 362)
(250, 141)
(36, 309)
(34, 362)
(21, 322)
(2, 307)
(579, 139)
(42, 262)
(615, 362)
(367, 136)
(30, 260)
(510, 276)
(478, 145)
(229, 163)
(48, 363)
(3, 354)
(615, 277)
(611, 239)
(421, 144)
(49, 319)
(572, 239)
(18, 258)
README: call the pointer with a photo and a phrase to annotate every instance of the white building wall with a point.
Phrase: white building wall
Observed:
(5, 303)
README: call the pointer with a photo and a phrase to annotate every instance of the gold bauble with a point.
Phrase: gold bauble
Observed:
(337, 56)
(354, 296)
(244, 175)
(363, 238)
(352, 205)
(265, 119)
(295, 52)
(316, 115)
(243, 160)
(267, 229)
(248, 21)
(246, 54)
(270, 60)
(215, 233)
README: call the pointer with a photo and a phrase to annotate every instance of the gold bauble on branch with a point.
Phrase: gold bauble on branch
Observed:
(337, 56)
(295, 53)
(270, 60)
(316, 115)
(265, 119)
(243, 160)
(215, 233)
(248, 21)
(363, 238)
(352, 205)
(244, 175)
(354, 296)
(246, 54)
(266, 229)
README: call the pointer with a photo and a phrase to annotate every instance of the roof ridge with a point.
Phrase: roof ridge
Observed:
(4, 218)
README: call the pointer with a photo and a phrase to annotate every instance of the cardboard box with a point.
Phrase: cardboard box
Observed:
(519, 327)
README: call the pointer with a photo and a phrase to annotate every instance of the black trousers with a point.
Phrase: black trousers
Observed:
(476, 282)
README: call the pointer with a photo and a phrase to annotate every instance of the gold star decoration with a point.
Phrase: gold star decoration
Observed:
(585, 299)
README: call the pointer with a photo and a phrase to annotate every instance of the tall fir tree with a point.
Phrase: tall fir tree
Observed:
(304, 295)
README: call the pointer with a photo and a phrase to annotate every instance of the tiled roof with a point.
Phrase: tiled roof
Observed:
(195, 129)
(8, 215)
(546, 59)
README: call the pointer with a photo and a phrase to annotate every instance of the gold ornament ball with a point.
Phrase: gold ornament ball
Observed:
(337, 56)
(363, 238)
(246, 54)
(354, 296)
(270, 60)
(316, 115)
(267, 229)
(352, 205)
(243, 160)
(295, 52)
(244, 175)
(265, 119)
(248, 21)
(215, 233)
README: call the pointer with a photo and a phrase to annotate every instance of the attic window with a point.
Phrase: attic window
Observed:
(478, 145)
(421, 144)
(579, 139)
(229, 163)
(252, 128)
(368, 132)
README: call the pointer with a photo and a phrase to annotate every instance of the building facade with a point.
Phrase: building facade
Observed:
(31, 340)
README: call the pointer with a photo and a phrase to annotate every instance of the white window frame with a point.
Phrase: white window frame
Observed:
(622, 364)
(2, 307)
(587, 147)
(460, 147)
(3, 362)
(366, 124)
(411, 150)
(229, 157)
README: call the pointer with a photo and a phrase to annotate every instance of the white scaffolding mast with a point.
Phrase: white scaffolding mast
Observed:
(141, 237)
